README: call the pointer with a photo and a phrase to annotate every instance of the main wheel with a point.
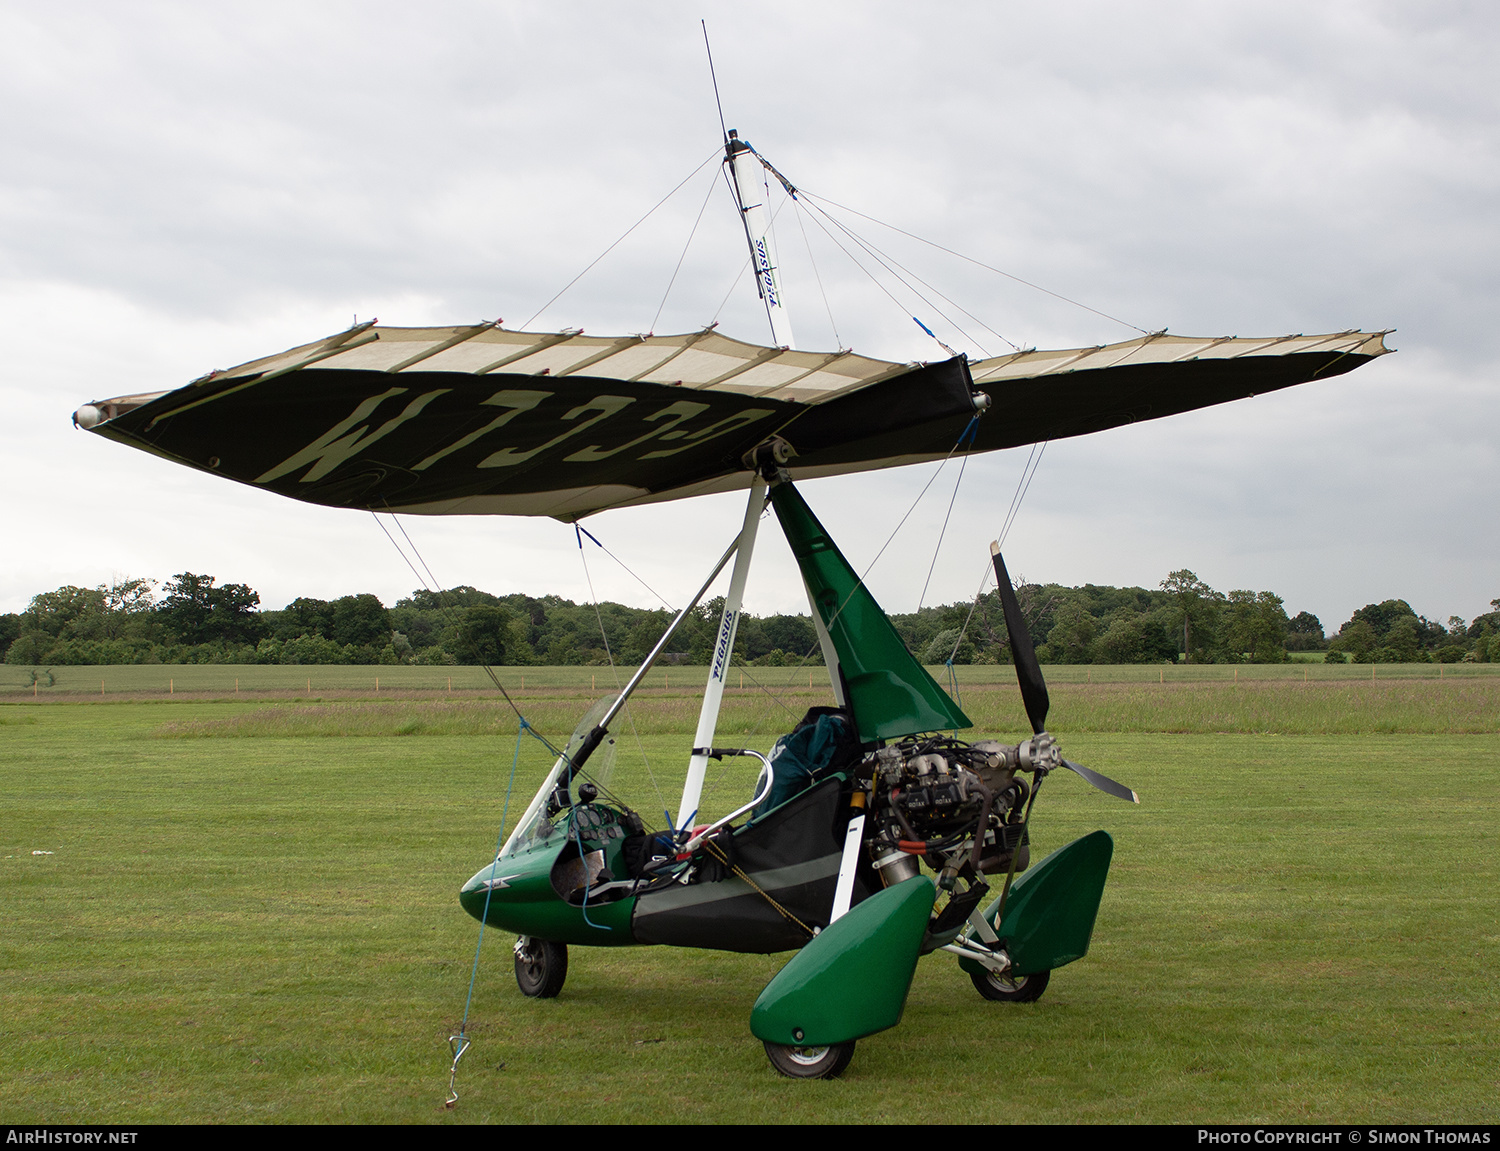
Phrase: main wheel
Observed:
(810, 1062)
(1011, 989)
(541, 967)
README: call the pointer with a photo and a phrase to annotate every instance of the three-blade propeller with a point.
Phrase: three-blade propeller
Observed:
(1029, 675)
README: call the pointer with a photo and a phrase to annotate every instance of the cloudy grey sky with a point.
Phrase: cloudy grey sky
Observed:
(186, 187)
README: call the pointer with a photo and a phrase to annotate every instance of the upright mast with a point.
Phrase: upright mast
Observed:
(746, 177)
(718, 668)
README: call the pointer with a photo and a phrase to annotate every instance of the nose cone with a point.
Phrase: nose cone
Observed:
(482, 890)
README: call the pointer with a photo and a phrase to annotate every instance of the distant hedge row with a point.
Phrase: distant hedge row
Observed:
(195, 619)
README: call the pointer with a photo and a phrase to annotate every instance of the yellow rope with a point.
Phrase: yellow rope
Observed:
(717, 854)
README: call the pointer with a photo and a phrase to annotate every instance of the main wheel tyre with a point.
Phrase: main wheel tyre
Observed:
(810, 1062)
(1011, 989)
(541, 967)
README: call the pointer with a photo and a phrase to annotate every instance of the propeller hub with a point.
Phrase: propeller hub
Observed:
(1040, 753)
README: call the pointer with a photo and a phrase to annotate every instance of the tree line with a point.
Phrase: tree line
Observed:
(193, 618)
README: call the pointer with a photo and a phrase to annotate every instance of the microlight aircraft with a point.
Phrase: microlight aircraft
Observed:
(826, 856)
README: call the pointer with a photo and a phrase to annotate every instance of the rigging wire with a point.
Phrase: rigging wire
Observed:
(626, 567)
(977, 263)
(436, 589)
(743, 669)
(1023, 485)
(873, 278)
(621, 240)
(669, 606)
(1015, 503)
(818, 275)
(962, 436)
(943, 530)
(580, 531)
(743, 268)
(446, 609)
(930, 287)
(711, 186)
(880, 258)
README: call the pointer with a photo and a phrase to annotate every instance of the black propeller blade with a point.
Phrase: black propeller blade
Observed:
(1028, 670)
(1102, 782)
(1033, 686)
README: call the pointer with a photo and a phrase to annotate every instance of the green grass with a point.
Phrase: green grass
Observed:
(250, 914)
(1281, 707)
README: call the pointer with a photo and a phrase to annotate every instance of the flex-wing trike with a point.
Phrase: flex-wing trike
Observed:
(826, 856)
(826, 859)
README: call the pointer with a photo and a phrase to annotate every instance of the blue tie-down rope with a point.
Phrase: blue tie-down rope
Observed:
(459, 1043)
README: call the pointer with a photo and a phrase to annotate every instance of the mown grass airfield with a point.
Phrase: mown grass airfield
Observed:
(230, 894)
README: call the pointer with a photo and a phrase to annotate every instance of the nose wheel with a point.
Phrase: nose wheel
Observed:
(541, 967)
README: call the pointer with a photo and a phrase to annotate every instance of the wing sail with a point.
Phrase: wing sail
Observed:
(480, 419)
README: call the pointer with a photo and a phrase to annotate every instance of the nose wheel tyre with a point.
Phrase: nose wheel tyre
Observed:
(1011, 989)
(810, 1062)
(541, 967)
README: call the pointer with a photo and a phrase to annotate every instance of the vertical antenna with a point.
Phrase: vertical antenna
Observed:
(746, 171)
(714, 77)
(743, 166)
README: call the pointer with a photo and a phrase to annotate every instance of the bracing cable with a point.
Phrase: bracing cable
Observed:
(885, 263)
(621, 240)
(873, 278)
(1015, 505)
(580, 531)
(964, 463)
(1023, 485)
(962, 436)
(698, 220)
(436, 589)
(870, 246)
(629, 571)
(977, 263)
(818, 275)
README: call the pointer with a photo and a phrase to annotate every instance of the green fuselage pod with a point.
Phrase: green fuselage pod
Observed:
(781, 886)
(539, 892)
(852, 979)
(1049, 916)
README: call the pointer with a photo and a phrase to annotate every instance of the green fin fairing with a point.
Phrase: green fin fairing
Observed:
(890, 693)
